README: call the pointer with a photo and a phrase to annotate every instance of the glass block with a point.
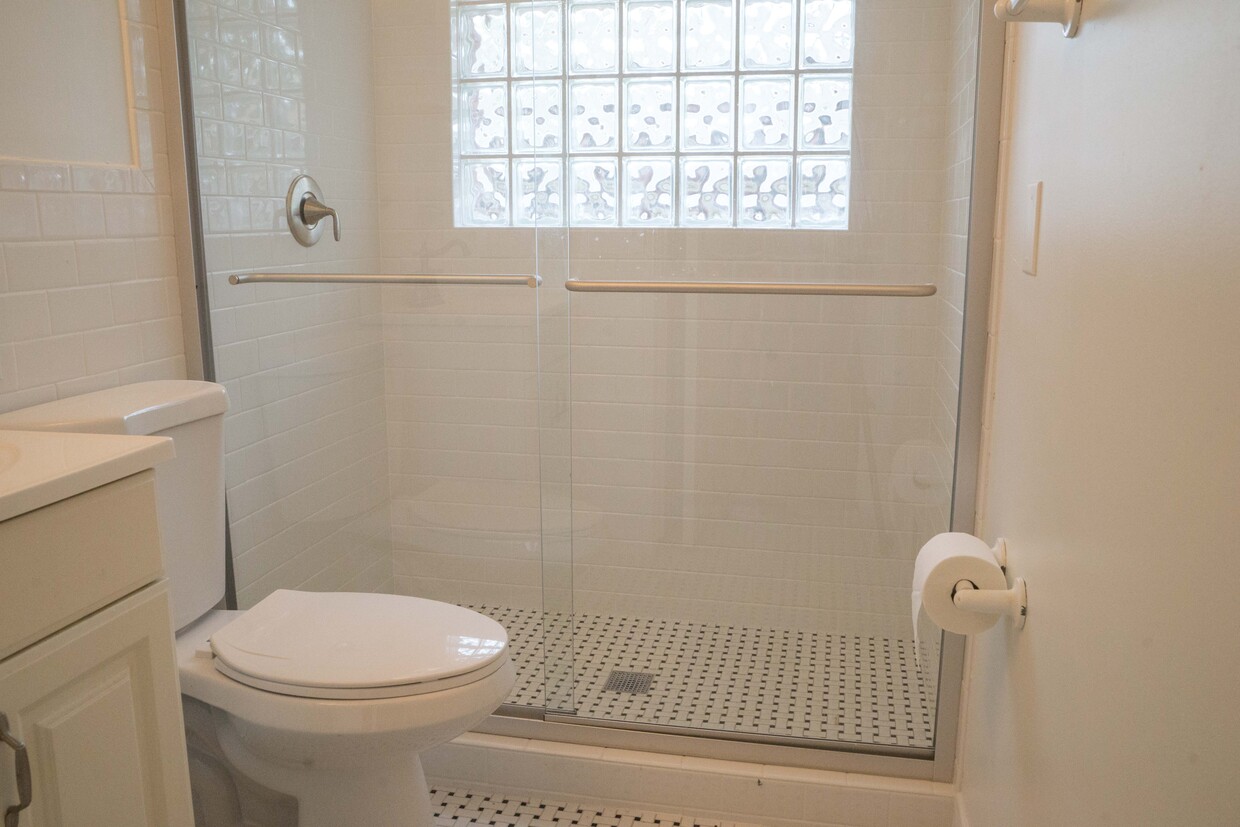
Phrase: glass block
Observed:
(650, 115)
(484, 109)
(593, 115)
(768, 34)
(483, 41)
(650, 36)
(539, 193)
(708, 32)
(822, 192)
(537, 39)
(706, 192)
(537, 116)
(766, 192)
(593, 195)
(766, 112)
(827, 36)
(486, 193)
(826, 112)
(593, 38)
(706, 114)
(649, 192)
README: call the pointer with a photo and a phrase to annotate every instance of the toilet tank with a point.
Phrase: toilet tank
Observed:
(189, 490)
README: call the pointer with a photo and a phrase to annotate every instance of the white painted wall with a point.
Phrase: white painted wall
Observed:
(1114, 463)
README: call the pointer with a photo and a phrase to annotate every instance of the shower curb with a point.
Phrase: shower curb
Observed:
(770, 795)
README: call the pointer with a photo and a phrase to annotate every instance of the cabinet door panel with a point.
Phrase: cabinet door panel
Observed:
(99, 709)
(88, 750)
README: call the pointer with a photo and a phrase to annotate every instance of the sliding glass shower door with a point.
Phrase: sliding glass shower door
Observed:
(762, 207)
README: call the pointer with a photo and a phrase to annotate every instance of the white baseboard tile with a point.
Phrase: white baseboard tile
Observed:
(764, 794)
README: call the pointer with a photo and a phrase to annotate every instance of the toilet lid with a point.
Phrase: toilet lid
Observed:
(346, 645)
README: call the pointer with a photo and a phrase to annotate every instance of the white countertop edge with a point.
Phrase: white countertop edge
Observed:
(78, 463)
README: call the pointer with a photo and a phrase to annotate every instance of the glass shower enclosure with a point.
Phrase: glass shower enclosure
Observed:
(643, 335)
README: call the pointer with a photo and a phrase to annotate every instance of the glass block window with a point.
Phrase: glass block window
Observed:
(652, 113)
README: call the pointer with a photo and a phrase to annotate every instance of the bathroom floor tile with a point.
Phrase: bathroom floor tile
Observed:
(731, 678)
(455, 808)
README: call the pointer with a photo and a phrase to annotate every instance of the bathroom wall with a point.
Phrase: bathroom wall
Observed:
(283, 87)
(89, 292)
(1114, 442)
(699, 489)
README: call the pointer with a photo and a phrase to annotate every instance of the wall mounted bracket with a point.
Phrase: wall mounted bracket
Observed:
(1067, 13)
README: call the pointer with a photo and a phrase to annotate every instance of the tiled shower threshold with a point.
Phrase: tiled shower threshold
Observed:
(456, 808)
(716, 679)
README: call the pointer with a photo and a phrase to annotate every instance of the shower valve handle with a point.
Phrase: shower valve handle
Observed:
(313, 211)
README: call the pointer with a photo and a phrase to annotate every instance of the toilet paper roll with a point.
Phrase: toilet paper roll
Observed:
(943, 562)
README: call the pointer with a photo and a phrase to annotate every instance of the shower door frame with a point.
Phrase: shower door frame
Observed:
(937, 763)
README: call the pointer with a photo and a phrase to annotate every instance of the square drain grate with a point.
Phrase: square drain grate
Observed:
(634, 683)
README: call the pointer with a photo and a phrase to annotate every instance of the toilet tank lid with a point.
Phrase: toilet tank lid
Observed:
(139, 409)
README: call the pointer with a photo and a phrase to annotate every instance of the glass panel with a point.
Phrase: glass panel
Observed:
(594, 191)
(593, 119)
(486, 117)
(593, 37)
(486, 183)
(649, 192)
(766, 192)
(706, 114)
(391, 438)
(537, 122)
(766, 113)
(539, 193)
(769, 35)
(650, 115)
(650, 36)
(822, 192)
(483, 41)
(706, 184)
(536, 39)
(752, 475)
(827, 38)
(826, 112)
(708, 35)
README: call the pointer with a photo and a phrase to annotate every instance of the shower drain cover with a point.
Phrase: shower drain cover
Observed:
(634, 683)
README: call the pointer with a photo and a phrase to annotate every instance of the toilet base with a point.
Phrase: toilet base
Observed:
(391, 791)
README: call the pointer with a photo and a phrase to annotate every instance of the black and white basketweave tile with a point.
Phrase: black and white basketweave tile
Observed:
(732, 678)
(455, 808)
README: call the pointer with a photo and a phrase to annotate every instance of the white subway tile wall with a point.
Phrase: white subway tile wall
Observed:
(89, 295)
(740, 460)
(282, 88)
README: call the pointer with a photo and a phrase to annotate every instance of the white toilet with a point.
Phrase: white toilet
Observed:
(327, 697)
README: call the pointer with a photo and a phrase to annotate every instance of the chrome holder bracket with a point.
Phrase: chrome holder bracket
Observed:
(1066, 13)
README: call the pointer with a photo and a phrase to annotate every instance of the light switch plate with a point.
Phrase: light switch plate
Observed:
(1029, 256)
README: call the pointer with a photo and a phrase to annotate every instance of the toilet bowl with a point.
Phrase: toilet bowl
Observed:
(325, 697)
(310, 731)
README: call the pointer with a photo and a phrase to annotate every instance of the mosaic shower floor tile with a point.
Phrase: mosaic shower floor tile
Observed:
(728, 678)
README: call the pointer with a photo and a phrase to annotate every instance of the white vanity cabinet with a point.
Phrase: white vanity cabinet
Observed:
(88, 676)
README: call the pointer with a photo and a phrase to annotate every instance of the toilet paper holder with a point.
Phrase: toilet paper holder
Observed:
(1012, 602)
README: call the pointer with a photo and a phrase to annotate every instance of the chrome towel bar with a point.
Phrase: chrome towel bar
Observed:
(353, 278)
(784, 288)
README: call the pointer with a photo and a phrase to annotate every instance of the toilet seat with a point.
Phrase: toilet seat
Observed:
(341, 645)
